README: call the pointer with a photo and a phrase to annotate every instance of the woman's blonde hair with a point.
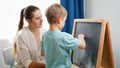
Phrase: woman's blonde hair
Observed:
(54, 12)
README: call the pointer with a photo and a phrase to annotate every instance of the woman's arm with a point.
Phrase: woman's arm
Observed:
(36, 65)
(42, 54)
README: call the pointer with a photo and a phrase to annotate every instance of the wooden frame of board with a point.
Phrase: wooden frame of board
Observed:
(104, 56)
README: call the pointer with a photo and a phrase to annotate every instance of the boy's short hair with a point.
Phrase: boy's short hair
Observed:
(54, 12)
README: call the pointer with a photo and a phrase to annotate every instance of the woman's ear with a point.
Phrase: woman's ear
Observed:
(28, 20)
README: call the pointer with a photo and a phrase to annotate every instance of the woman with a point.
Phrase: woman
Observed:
(28, 39)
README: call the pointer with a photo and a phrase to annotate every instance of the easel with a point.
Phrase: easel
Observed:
(105, 55)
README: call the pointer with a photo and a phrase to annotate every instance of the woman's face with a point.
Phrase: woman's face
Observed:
(36, 21)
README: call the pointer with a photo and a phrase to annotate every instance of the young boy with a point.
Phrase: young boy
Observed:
(56, 45)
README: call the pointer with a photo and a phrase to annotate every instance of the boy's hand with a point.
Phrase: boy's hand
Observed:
(81, 36)
(83, 43)
(74, 66)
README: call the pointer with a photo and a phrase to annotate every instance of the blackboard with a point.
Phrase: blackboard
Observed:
(91, 56)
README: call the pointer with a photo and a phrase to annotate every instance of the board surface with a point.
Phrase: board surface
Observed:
(87, 58)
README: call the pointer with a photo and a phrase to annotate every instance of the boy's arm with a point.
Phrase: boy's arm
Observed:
(83, 43)
(74, 66)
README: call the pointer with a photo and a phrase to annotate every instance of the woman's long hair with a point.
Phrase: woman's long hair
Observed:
(27, 13)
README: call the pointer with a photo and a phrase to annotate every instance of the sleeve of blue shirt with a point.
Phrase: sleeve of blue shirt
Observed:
(71, 42)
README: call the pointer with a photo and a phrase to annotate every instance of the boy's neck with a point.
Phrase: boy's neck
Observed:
(53, 27)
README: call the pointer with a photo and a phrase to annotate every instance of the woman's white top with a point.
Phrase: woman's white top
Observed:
(27, 48)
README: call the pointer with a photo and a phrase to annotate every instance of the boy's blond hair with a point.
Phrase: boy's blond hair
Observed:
(54, 12)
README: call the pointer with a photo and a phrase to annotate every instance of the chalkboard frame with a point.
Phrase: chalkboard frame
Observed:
(102, 35)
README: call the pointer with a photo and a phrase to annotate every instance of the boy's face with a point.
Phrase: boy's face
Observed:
(62, 22)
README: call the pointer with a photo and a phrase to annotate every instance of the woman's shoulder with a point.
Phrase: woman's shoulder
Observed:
(23, 31)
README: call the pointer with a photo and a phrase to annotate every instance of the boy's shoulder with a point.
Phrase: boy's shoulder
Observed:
(57, 33)
(64, 33)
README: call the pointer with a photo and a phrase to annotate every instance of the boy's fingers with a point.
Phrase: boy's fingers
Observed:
(81, 35)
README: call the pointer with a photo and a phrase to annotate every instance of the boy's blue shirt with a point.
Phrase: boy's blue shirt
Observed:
(56, 46)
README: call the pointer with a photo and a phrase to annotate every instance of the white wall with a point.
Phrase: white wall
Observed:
(109, 9)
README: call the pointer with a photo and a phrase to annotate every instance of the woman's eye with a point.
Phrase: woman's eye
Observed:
(37, 18)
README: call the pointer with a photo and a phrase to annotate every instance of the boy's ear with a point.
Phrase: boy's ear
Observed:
(58, 20)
